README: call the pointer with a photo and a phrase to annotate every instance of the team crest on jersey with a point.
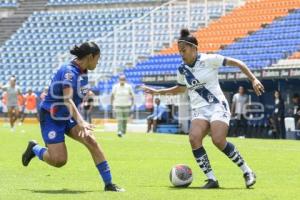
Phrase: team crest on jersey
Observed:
(52, 135)
(68, 76)
(210, 98)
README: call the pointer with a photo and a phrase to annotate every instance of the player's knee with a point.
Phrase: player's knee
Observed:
(219, 142)
(195, 139)
(59, 163)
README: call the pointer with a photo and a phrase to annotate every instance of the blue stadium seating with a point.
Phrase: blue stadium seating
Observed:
(47, 35)
(268, 45)
(8, 3)
(259, 50)
(84, 2)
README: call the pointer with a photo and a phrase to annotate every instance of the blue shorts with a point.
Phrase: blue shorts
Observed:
(53, 130)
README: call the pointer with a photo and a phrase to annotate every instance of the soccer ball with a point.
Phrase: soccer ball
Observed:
(181, 175)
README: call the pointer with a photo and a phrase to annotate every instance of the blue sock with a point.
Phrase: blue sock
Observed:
(39, 151)
(104, 171)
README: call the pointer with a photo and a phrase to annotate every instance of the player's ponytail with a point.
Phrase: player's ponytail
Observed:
(188, 38)
(184, 33)
(85, 49)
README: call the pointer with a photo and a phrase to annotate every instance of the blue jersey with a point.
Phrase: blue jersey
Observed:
(69, 75)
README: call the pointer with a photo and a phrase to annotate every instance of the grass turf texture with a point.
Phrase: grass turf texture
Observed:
(141, 163)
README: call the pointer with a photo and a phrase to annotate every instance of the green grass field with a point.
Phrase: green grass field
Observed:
(141, 163)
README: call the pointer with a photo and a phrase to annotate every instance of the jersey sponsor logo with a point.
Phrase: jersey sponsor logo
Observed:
(195, 84)
(52, 135)
(198, 87)
(68, 76)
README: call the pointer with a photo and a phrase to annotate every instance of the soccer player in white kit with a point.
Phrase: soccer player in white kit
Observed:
(210, 110)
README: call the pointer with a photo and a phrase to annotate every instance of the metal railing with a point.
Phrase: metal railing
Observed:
(143, 37)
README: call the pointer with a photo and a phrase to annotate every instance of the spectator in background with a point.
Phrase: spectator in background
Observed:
(296, 110)
(122, 98)
(88, 103)
(238, 110)
(278, 116)
(44, 93)
(30, 104)
(12, 101)
(4, 105)
(21, 106)
(149, 102)
(157, 115)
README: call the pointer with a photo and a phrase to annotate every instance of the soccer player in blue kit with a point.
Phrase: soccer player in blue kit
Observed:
(59, 115)
(210, 111)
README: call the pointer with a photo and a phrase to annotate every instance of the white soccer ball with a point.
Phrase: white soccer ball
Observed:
(181, 175)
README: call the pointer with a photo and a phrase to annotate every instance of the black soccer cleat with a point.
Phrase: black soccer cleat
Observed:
(113, 188)
(211, 184)
(250, 179)
(28, 154)
(120, 134)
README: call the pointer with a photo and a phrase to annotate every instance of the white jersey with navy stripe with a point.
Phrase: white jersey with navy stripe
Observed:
(202, 81)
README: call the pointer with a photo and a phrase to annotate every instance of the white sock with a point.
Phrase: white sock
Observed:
(210, 175)
(245, 168)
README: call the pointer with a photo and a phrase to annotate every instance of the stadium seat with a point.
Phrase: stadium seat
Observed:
(85, 2)
(239, 23)
(8, 3)
(259, 50)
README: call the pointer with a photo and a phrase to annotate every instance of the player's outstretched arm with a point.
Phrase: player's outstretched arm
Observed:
(166, 91)
(256, 84)
(85, 127)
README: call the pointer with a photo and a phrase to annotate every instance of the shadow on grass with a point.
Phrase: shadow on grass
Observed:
(61, 191)
(199, 188)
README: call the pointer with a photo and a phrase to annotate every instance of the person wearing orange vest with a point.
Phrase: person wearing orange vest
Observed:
(21, 103)
(30, 104)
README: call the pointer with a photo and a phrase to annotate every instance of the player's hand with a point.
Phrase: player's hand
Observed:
(85, 129)
(148, 89)
(258, 87)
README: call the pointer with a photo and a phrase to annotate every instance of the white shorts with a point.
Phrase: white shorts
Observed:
(4, 109)
(213, 112)
(34, 111)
